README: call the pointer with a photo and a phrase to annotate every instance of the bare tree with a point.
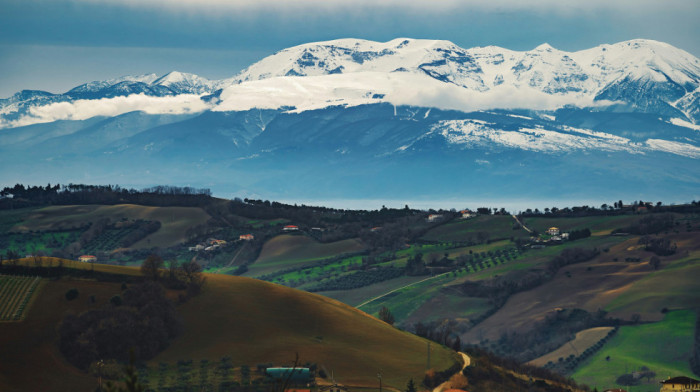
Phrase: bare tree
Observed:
(386, 316)
(151, 267)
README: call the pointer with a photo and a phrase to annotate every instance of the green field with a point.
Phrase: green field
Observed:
(289, 251)
(32, 243)
(664, 347)
(674, 287)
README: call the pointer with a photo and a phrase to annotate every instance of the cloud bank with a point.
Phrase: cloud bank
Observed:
(422, 5)
(315, 92)
(83, 109)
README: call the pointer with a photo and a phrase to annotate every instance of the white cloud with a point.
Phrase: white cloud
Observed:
(315, 92)
(567, 7)
(84, 109)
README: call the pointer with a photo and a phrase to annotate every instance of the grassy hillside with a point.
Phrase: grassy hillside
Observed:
(251, 321)
(495, 226)
(287, 251)
(174, 220)
(257, 322)
(664, 347)
(673, 287)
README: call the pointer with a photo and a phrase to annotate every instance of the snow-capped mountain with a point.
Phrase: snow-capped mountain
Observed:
(620, 115)
(638, 72)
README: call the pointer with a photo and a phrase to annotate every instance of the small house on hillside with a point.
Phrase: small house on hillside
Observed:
(434, 217)
(246, 237)
(553, 231)
(290, 228)
(197, 248)
(466, 214)
(87, 258)
(680, 384)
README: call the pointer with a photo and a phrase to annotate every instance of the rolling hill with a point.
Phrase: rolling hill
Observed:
(251, 321)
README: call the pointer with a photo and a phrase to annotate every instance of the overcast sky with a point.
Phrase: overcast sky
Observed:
(54, 45)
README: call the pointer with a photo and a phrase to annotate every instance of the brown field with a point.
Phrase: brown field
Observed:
(174, 220)
(593, 285)
(286, 251)
(583, 340)
(30, 359)
(250, 320)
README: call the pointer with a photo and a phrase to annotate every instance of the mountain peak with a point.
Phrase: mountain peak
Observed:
(545, 47)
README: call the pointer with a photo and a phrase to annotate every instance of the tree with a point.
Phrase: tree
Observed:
(655, 262)
(192, 276)
(411, 386)
(457, 344)
(116, 300)
(131, 378)
(151, 267)
(72, 294)
(386, 316)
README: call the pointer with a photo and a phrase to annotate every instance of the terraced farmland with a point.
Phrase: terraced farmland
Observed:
(15, 293)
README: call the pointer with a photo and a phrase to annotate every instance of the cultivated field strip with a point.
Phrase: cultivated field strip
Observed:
(15, 293)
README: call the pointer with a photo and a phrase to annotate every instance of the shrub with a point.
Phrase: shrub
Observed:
(116, 300)
(72, 294)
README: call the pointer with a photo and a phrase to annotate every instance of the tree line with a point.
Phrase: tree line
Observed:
(20, 196)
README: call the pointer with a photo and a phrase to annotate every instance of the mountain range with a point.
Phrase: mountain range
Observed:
(356, 119)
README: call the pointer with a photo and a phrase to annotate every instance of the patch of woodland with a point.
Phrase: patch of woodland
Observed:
(143, 320)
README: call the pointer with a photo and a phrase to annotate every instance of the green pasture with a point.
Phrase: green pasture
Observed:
(664, 347)
(290, 251)
(673, 287)
(30, 243)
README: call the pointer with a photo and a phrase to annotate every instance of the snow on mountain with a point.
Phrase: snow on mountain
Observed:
(644, 75)
(640, 59)
(683, 149)
(482, 134)
(185, 83)
(482, 68)
(477, 133)
(99, 85)
(299, 94)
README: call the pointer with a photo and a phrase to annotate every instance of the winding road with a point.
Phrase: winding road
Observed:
(446, 385)
(521, 224)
